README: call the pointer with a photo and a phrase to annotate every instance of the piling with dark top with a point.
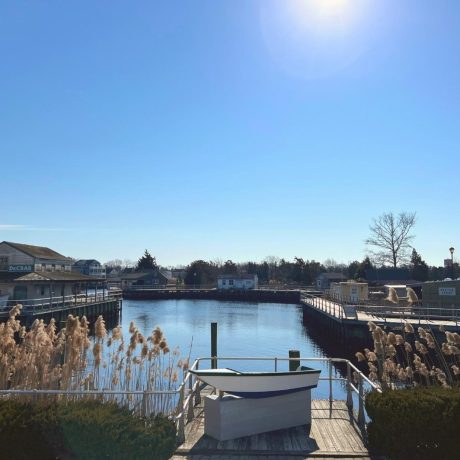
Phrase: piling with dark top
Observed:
(214, 345)
(293, 365)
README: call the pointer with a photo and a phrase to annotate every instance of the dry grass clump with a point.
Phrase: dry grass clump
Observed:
(412, 358)
(45, 359)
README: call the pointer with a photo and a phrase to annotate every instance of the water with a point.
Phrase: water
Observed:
(244, 329)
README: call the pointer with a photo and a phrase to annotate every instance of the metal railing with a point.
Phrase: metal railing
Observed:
(414, 312)
(355, 382)
(32, 306)
(179, 403)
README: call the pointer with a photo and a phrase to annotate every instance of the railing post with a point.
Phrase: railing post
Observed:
(361, 420)
(276, 364)
(181, 424)
(330, 387)
(349, 391)
(190, 411)
(144, 404)
(197, 392)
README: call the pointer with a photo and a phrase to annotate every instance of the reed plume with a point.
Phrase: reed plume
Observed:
(392, 295)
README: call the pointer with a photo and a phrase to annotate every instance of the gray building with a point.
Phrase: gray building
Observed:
(89, 267)
(324, 280)
(442, 297)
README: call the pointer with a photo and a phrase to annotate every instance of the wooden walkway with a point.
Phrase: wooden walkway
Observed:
(389, 316)
(333, 435)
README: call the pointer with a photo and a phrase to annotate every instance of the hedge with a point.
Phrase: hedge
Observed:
(419, 423)
(84, 429)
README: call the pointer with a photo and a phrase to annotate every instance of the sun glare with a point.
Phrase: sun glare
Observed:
(321, 15)
(314, 38)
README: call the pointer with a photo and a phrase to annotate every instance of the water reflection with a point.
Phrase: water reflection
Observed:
(244, 329)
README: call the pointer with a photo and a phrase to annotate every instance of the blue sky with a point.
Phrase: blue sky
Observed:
(228, 129)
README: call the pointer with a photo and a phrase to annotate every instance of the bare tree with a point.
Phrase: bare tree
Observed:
(391, 237)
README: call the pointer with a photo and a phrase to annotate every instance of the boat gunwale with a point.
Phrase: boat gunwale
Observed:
(210, 373)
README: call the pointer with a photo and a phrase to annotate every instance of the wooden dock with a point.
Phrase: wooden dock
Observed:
(356, 317)
(333, 435)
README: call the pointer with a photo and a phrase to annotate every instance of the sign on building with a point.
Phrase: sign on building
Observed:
(20, 268)
(447, 291)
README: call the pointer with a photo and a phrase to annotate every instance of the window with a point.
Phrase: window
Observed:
(224, 282)
(230, 282)
(3, 260)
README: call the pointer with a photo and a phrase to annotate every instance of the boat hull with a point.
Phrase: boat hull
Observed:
(259, 384)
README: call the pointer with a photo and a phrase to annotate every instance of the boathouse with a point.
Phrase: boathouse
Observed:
(238, 282)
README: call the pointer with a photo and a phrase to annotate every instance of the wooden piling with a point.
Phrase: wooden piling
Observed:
(214, 345)
(293, 365)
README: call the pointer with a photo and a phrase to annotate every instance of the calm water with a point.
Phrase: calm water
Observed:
(244, 329)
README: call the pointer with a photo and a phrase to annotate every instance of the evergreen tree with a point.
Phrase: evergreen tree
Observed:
(366, 264)
(418, 268)
(146, 262)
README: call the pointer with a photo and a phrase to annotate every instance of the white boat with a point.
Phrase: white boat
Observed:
(259, 384)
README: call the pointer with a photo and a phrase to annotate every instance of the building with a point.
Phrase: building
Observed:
(143, 279)
(443, 297)
(239, 282)
(324, 280)
(388, 275)
(25, 258)
(89, 267)
(350, 291)
(30, 274)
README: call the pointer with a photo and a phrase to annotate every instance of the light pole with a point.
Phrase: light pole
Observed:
(194, 280)
(452, 249)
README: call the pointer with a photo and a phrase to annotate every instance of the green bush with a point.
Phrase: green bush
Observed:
(421, 423)
(84, 429)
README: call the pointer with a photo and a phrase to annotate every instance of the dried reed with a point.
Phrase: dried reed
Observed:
(42, 358)
(412, 358)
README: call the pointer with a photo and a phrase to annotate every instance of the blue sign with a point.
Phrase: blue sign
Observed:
(20, 268)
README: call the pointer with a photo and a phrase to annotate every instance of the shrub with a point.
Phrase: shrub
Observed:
(417, 423)
(84, 429)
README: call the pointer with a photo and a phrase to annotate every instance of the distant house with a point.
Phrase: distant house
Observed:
(324, 280)
(143, 279)
(240, 282)
(89, 267)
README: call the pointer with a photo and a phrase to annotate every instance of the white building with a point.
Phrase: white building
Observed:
(240, 282)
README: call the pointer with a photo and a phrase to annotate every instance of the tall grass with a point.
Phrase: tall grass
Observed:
(46, 359)
(412, 358)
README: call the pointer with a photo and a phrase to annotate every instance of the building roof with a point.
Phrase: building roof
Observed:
(57, 276)
(244, 276)
(39, 252)
(333, 276)
(86, 262)
(145, 274)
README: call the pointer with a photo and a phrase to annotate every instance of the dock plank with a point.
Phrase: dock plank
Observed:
(332, 435)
